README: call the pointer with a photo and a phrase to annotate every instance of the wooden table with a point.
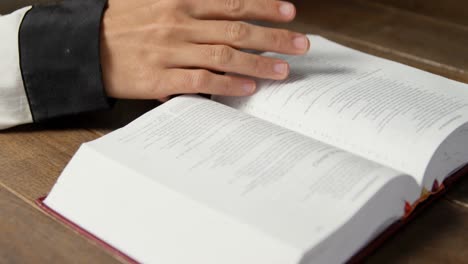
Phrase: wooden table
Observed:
(433, 37)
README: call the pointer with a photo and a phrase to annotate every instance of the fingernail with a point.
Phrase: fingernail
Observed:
(281, 68)
(249, 87)
(287, 9)
(301, 43)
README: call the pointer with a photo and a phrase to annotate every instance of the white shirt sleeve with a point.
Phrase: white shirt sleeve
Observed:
(14, 105)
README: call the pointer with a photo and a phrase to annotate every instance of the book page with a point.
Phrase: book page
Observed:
(387, 112)
(290, 187)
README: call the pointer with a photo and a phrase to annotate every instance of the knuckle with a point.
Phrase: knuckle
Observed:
(276, 39)
(236, 31)
(234, 6)
(164, 58)
(257, 65)
(228, 86)
(166, 32)
(169, 27)
(152, 84)
(221, 55)
(198, 80)
(171, 19)
(170, 7)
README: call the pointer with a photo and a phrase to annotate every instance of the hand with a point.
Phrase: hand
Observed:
(152, 49)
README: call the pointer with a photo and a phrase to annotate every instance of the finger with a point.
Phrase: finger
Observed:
(246, 36)
(226, 59)
(268, 10)
(183, 81)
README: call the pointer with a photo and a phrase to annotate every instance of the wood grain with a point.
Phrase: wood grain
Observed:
(458, 195)
(438, 235)
(428, 34)
(32, 157)
(28, 236)
(450, 11)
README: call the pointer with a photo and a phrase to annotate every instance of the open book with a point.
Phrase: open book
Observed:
(308, 170)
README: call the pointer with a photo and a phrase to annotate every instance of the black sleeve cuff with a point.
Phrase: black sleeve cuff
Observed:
(60, 58)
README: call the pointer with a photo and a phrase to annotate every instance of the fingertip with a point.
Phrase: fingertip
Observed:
(287, 10)
(301, 43)
(281, 70)
(309, 45)
(249, 87)
(286, 74)
(284, 77)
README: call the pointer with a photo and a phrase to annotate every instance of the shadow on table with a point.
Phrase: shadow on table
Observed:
(124, 112)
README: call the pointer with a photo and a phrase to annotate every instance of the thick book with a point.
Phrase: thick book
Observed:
(308, 170)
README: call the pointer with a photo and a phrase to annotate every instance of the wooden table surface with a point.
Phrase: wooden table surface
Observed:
(428, 34)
